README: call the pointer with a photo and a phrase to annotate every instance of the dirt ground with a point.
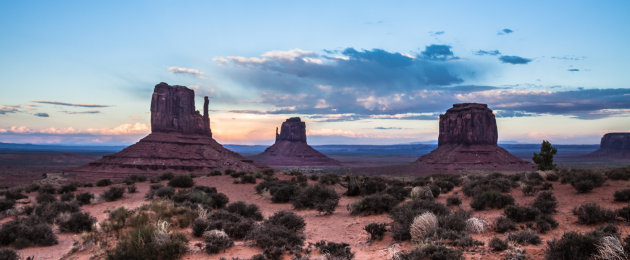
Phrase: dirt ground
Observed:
(341, 226)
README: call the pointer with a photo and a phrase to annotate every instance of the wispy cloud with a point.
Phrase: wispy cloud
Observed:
(41, 115)
(136, 128)
(487, 52)
(573, 70)
(7, 109)
(188, 71)
(505, 31)
(80, 112)
(387, 128)
(514, 60)
(59, 103)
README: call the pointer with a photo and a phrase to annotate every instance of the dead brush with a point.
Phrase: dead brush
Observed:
(476, 225)
(610, 248)
(423, 225)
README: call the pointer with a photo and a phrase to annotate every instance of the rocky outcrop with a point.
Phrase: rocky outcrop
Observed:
(468, 141)
(614, 146)
(180, 141)
(291, 149)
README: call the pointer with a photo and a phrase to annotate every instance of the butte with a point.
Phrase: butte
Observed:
(468, 141)
(613, 146)
(291, 149)
(180, 141)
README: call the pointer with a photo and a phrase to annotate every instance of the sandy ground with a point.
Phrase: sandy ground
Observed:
(341, 226)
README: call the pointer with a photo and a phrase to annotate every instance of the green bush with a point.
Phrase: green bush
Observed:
(233, 224)
(403, 215)
(113, 193)
(27, 232)
(84, 198)
(624, 213)
(245, 210)
(622, 195)
(503, 224)
(455, 221)
(8, 254)
(591, 213)
(281, 191)
(497, 182)
(70, 187)
(545, 202)
(131, 179)
(45, 198)
(334, 250)
(376, 230)
(572, 245)
(496, 244)
(373, 204)
(622, 173)
(544, 159)
(583, 180)
(545, 223)
(278, 238)
(217, 241)
(6, 204)
(66, 197)
(431, 251)
(48, 212)
(103, 182)
(453, 201)
(167, 176)
(287, 219)
(525, 237)
(520, 213)
(148, 242)
(491, 199)
(181, 181)
(318, 197)
(329, 179)
(248, 179)
(77, 223)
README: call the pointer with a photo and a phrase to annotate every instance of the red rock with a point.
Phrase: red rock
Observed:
(291, 149)
(468, 141)
(180, 141)
(614, 146)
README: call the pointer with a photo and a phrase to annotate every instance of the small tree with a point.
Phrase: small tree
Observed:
(544, 159)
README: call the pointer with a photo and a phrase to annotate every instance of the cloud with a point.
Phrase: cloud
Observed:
(514, 60)
(438, 52)
(438, 33)
(81, 112)
(569, 58)
(180, 70)
(573, 70)
(505, 31)
(123, 129)
(41, 114)
(387, 128)
(68, 104)
(8, 109)
(488, 52)
(122, 134)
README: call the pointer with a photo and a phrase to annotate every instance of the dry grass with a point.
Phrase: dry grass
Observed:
(476, 225)
(610, 248)
(423, 225)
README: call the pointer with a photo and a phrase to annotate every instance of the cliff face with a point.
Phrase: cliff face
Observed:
(468, 124)
(180, 141)
(468, 141)
(173, 110)
(291, 149)
(614, 146)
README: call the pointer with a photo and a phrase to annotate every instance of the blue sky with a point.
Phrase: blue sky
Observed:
(80, 72)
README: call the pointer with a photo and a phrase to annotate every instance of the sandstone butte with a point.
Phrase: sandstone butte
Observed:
(613, 146)
(180, 141)
(291, 149)
(468, 141)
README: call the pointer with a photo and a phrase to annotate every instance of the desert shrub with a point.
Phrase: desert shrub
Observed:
(181, 181)
(66, 197)
(167, 176)
(84, 198)
(27, 232)
(529, 190)
(398, 191)
(373, 204)
(545, 202)
(583, 180)
(160, 192)
(544, 159)
(503, 224)
(215, 173)
(312, 177)
(545, 222)
(280, 191)
(431, 251)
(48, 212)
(491, 199)
(421, 192)
(465, 241)
(329, 179)
(334, 250)
(152, 241)
(131, 179)
(245, 210)
(6, 204)
(552, 177)
(233, 224)
(269, 236)
(205, 189)
(77, 223)
(496, 244)
(207, 197)
(403, 215)
(216, 241)
(572, 245)
(624, 213)
(8, 254)
(546, 186)
(70, 187)
(478, 185)
(520, 213)
(445, 186)
(117, 219)
(453, 201)
(113, 193)
(422, 226)
(235, 174)
(45, 198)
(533, 179)
(525, 237)
(248, 179)
(435, 190)
(609, 247)
(103, 182)
(622, 195)
(591, 213)
(476, 225)
(287, 219)
(376, 230)
(47, 188)
(622, 173)
(318, 197)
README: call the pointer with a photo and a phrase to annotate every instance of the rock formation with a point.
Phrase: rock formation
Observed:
(180, 141)
(291, 149)
(468, 141)
(614, 146)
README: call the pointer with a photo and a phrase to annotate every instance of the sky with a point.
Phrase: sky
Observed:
(358, 72)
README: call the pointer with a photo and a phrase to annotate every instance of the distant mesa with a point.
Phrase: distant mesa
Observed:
(180, 141)
(468, 141)
(614, 146)
(291, 149)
